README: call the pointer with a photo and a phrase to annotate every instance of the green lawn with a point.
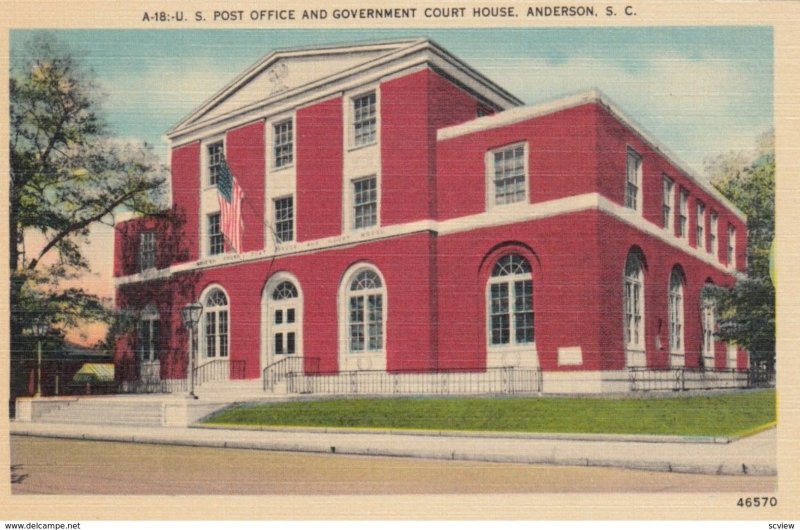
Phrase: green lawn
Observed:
(721, 415)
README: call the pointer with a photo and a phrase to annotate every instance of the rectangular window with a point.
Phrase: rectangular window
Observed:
(683, 215)
(731, 246)
(365, 123)
(216, 241)
(357, 324)
(216, 153)
(147, 250)
(713, 245)
(701, 225)
(500, 319)
(223, 333)
(284, 219)
(365, 202)
(509, 175)
(523, 311)
(667, 203)
(283, 144)
(633, 179)
(211, 334)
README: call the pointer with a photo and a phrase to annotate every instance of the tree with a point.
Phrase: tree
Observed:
(68, 173)
(747, 311)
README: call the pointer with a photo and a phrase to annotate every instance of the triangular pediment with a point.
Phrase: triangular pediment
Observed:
(282, 72)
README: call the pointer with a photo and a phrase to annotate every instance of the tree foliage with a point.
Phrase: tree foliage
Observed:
(747, 311)
(67, 173)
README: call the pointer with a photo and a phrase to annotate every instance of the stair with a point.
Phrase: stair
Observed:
(106, 411)
(233, 391)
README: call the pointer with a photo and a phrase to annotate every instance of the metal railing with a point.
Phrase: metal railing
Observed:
(279, 370)
(681, 378)
(219, 370)
(507, 380)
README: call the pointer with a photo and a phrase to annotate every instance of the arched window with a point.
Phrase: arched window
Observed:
(509, 309)
(708, 315)
(147, 334)
(633, 309)
(215, 324)
(365, 312)
(676, 341)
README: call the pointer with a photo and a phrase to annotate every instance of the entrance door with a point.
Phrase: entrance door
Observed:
(283, 318)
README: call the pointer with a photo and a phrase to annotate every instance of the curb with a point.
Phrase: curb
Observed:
(578, 437)
(320, 446)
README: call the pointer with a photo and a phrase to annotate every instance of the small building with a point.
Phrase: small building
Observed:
(403, 214)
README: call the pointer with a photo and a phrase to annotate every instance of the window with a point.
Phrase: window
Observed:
(701, 225)
(510, 302)
(713, 236)
(508, 172)
(147, 250)
(633, 180)
(676, 283)
(216, 241)
(731, 246)
(668, 202)
(709, 323)
(365, 312)
(284, 219)
(365, 202)
(683, 215)
(283, 144)
(284, 319)
(216, 153)
(215, 324)
(147, 335)
(364, 119)
(633, 308)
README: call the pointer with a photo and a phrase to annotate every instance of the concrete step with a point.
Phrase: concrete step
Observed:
(103, 411)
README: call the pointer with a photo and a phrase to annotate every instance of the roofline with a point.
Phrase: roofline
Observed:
(517, 115)
(394, 53)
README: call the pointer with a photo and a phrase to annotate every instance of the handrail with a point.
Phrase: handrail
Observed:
(219, 370)
(278, 371)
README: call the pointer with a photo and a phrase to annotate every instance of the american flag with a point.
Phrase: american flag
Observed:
(230, 206)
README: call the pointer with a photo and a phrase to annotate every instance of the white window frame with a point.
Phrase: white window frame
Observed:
(683, 214)
(148, 249)
(150, 320)
(510, 282)
(220, 346)
(268, 328)
(667, 203)
(633, 310)
(354, 142)
(276, 222)
(708, 316)
(273, 145)
(490, 180)
(206, 160)
(731, 252)
(636, 172)
(352, 206)
(366, 359)
(676, 293)
(700, 228)
(713, 234)
(207, 234)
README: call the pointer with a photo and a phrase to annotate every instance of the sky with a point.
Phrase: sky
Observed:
(700, 91)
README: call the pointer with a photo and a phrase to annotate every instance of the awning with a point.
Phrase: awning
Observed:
(95, 373)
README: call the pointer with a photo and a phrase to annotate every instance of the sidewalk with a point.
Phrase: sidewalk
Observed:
(753, 455)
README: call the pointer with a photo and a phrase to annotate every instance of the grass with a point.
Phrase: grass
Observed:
(714, 415)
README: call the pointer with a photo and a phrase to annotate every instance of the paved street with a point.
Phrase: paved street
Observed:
(57, 466)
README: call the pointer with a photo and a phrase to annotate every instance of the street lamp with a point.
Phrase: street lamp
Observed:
(191, 316)
(40, 328)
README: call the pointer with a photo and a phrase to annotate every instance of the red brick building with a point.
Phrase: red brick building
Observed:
(403, 213)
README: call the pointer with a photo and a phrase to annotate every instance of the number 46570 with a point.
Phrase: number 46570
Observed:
(755, 502)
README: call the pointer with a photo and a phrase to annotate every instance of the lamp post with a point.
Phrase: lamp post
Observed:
(191, 316)
(40, 329)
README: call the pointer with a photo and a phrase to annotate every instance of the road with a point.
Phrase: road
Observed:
(57, 466)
